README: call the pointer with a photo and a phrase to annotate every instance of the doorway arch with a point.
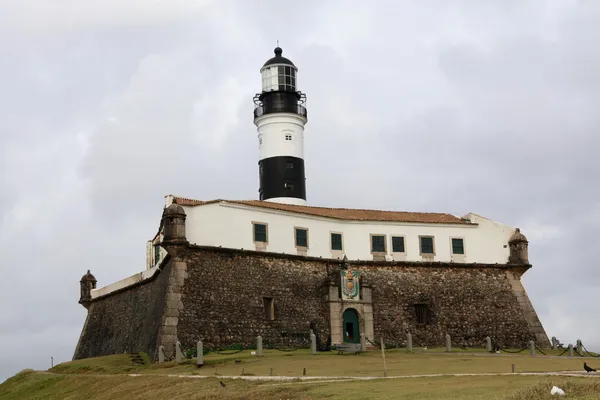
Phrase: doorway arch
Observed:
(350, 326)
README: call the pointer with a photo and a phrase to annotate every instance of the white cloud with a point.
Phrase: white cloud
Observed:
(70, 16)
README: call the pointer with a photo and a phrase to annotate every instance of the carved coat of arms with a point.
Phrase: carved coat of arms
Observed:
(350, 289)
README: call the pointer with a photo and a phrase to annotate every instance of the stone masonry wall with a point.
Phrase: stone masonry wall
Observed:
(467, 303)
(223, 301)
(126, 321)
(217, 295)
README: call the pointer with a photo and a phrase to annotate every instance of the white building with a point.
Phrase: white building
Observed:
(335, 232)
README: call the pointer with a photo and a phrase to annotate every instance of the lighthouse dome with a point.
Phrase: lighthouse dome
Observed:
(279, 59)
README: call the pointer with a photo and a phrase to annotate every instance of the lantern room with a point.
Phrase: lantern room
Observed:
(278, 74)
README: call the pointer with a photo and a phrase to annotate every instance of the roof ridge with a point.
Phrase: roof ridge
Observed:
(348, 209)
(348, 214)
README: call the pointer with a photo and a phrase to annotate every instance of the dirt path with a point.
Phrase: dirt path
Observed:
(324, 379)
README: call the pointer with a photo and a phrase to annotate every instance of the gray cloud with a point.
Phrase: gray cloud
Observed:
(487, 107)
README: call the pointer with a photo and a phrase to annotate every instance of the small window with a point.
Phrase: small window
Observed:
(156, 254)
(269, 306)
(301, 237)
(422, 313)
(288, 137)
(426, 245)
(378, 244)
(397, 244)
(458, 246)
(260, 233)
(289, 165)
(336, 241)
(289, 185)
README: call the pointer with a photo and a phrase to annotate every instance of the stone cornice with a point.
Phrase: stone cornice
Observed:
(364, 263)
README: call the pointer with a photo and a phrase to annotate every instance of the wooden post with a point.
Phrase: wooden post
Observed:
(383, 355)
(304, 371)
(271, 372)
(488, 344)
(408, 342)
(514, 368)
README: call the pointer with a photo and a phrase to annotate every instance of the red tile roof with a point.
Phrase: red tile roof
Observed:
(348, 214)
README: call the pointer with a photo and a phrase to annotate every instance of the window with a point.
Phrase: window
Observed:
(156, 254)
(260, 232)
(336, 241)
(289, 165)
(397, 244)
(289, 185)
(286, 78)
(301, 237)
(426, 244)
(269, 79)
(458, 246)
(422, 313)
(378, 244)
(288, 136)
(269, 306)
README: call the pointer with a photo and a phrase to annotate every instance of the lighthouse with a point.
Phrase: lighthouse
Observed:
(280, 116)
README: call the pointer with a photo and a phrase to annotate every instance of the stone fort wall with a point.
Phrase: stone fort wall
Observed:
(216, 295)
(223, 299)
(125, 321)
(224, 290)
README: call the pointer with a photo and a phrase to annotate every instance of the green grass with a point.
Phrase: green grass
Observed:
(108, 377)
(399, 362)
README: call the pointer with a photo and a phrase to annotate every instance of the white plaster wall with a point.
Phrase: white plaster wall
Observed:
(272, 129)
(494, 232)
(230, 225)
(140, 276)
(288, 200)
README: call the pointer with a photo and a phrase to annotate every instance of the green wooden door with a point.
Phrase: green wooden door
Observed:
(350, 326)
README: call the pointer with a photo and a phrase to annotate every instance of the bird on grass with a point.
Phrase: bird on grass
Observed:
(588, 368)
(222, 384)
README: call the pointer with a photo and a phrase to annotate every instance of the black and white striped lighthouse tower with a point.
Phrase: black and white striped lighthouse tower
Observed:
(280, 117)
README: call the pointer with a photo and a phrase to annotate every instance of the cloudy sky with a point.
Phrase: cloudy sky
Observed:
(453, 106)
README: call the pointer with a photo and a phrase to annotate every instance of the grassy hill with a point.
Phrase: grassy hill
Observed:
(280, 375)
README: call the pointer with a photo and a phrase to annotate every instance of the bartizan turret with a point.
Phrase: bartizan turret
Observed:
(518, 245)
(87, 283)
(174, 240)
